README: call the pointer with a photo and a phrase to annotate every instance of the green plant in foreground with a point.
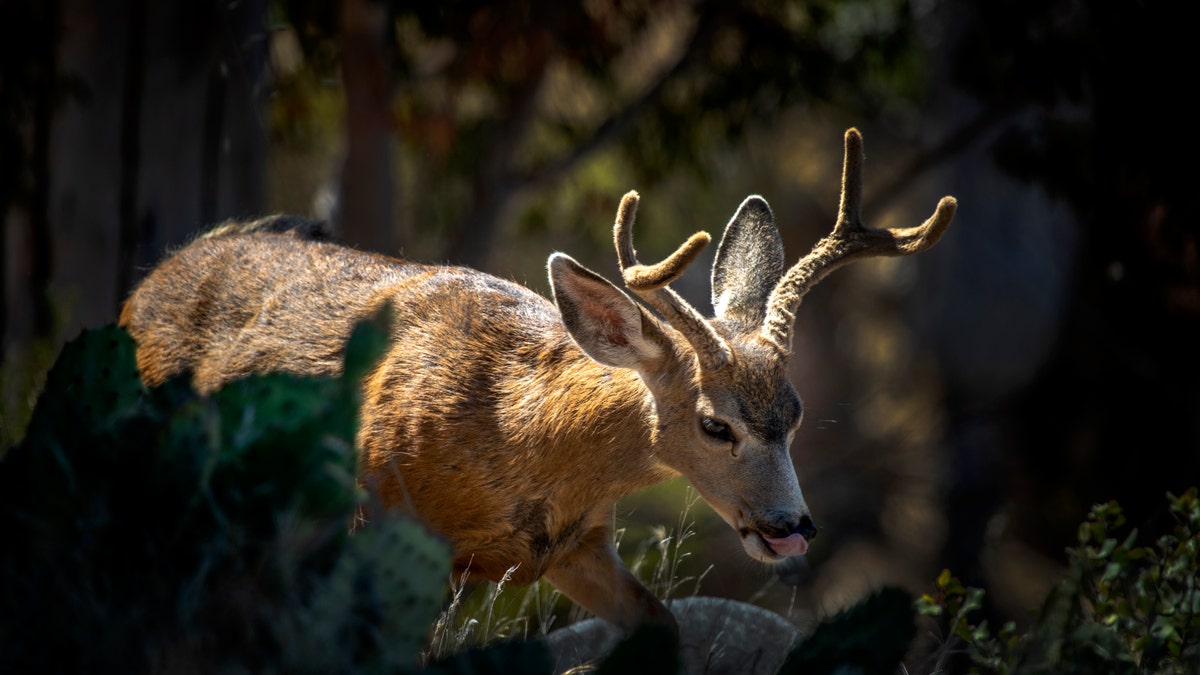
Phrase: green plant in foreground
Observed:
(150, 529)
(869, 638)
(1121, 608)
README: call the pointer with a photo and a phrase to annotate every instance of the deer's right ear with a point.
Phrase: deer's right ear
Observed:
(606, 324)
(749, 263)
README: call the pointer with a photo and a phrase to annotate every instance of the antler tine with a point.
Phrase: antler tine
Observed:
(650, 282)
(850, 205)
(850, 240)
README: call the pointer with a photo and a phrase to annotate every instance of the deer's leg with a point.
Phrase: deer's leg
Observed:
(593, 576)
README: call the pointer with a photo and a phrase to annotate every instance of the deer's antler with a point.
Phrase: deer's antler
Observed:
(850, 240)
(650, 282)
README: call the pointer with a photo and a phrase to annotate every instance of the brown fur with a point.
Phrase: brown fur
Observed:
(481, 416)
(509, 424)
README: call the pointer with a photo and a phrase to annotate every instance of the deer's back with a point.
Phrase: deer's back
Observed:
(230, 305)
(445, 419)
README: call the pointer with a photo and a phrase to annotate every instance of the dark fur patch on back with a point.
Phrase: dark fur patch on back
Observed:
(297, 226)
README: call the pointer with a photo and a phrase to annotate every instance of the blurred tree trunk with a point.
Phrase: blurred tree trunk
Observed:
(365, 204)
(29, 84)
(39, 203)
(129, 234)
(168, 139)
(493, 185)
(29, 92)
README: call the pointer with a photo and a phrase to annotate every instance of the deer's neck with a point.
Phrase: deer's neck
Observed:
(596, 420)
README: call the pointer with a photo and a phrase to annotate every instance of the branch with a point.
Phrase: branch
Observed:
(949, 146)
(620, 122)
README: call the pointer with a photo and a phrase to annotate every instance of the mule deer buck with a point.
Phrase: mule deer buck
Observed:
(511, 426)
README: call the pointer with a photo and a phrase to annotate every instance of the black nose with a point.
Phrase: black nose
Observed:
(806, 528)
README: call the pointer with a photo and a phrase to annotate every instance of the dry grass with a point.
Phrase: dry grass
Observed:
(481, 613)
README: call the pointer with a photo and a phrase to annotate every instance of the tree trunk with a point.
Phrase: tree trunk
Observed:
(130, 158)
(168, 140)
(364, 211)
(39, 202)
(494, 183)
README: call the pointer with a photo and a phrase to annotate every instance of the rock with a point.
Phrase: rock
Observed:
(717, 637)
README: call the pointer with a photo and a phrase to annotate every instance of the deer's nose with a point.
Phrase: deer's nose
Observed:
(806, 528)
(781, 525)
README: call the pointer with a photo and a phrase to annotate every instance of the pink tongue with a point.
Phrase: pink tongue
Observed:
(792, 545)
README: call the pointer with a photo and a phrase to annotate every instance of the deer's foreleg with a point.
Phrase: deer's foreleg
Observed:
(593, 576)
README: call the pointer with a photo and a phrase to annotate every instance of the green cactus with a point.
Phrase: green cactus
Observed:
(152, 528)
(530, 657)
(870, 638)
(650, 650)
(94, 382)
(395, 571)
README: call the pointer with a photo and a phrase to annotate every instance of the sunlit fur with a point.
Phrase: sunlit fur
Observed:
(484, 417)
(507, 423)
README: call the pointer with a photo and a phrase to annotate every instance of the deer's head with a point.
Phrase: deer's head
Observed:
(725, 411)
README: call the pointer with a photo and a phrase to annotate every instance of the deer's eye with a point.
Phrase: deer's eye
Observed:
(716, 429)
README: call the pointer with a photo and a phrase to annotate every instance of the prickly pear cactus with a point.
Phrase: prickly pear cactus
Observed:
(870, 638)
(409, 568)
(269, 443)
(396, 571)
(93, 386)
(368, 342)
(140, 525)
(527, 657)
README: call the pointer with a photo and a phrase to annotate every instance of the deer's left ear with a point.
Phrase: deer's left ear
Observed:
(606, 324)
(749, 263)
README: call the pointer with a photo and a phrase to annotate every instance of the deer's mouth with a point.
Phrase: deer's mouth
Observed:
(769, 549)
(787, 547)
(772, 536)
(764, 547)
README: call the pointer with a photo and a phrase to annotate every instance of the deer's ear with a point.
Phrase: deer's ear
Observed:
(749, 263)
(606, 324)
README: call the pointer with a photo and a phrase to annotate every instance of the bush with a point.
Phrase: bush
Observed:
(157, 529)
(1121, 608)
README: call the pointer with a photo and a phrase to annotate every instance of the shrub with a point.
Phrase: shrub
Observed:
(1121, 608)
(150, 529)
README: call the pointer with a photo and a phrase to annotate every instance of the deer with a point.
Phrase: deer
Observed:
(510, 424)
